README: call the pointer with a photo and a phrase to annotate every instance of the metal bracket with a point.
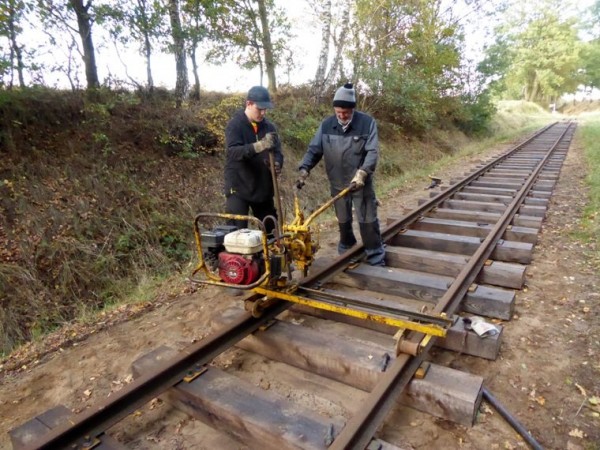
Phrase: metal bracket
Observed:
(374, 445)
(408, 347)
(422, 370)
(194, 373)
(89, 443)
(268, 324)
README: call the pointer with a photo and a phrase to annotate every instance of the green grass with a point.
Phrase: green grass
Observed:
(590, 222)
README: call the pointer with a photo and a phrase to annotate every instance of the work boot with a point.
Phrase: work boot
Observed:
(374, 247)
(347, 239)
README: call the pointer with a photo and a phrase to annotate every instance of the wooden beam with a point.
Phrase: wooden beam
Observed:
(444, 392)
(481, 300)
(497, 184)
(488, 190)
(458, 339)
(486, 198)
(507, 251)
(25, 435)
(497, 273)
(533, 210)
(486, 217)
(470, 228)
(256, 417)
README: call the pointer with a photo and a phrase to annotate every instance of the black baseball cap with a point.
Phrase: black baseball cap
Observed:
(260, 96)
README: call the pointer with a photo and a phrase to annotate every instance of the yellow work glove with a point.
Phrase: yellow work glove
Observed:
(302, 178)
(359, 179)
(265, 143)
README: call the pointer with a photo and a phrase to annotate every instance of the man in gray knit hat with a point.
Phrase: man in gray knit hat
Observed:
(348, 141)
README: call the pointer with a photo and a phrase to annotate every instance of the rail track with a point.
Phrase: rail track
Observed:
(460, 254)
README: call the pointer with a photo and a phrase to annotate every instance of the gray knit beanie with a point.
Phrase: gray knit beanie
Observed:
(345, 97)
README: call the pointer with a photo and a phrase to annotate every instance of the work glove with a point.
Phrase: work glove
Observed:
(359, 179)
(265, 143)
(277, 168)
(302, 178)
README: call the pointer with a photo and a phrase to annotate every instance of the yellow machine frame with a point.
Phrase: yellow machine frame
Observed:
(296, 245)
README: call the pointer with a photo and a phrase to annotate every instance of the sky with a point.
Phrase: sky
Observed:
(228, 77)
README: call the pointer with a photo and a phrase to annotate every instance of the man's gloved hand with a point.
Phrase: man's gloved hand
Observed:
(277, 168)
(302, 178)
(359, 179)
(265, 143)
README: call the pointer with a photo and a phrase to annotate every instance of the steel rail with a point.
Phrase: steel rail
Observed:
(341, 262)
(360, 429)
(83, 427)
(346, 300)
(92, 423)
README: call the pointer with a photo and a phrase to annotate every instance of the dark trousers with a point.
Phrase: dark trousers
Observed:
(365, 207)
(237, 205)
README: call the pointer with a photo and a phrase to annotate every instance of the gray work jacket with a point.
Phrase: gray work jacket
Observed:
(344, 152)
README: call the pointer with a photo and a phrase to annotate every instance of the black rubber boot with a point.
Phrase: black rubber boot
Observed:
(347, 239)
(371, 237)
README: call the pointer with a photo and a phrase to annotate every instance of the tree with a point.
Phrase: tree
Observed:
(267, 45)
(335, 29)
(11, 13)
(140, 21)
(324, 15)
(495, 64)
(178, 48)
(546, 59)
(58, 15)
(537, 54)
(591, 63)
(590, 52)
(252, 37)
(84, 24)
(202, 20)
(408, 53)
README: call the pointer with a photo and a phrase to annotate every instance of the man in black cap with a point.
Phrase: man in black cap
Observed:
(249, 137)
(349, 143)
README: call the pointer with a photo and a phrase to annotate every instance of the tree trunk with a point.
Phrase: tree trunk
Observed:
(84, 23)
(182, 83)
(196, 90)
(325, 16)
(15, 50)
(267, 45)
(337, 70)
(147, 45)
(148, 53)
(533, 93)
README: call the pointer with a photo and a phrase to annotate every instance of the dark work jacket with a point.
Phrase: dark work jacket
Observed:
(247, 174)
(344, 152)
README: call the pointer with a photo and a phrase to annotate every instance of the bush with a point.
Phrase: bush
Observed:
(477, 114)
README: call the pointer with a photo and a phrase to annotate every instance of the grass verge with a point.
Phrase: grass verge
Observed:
(590, 222)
